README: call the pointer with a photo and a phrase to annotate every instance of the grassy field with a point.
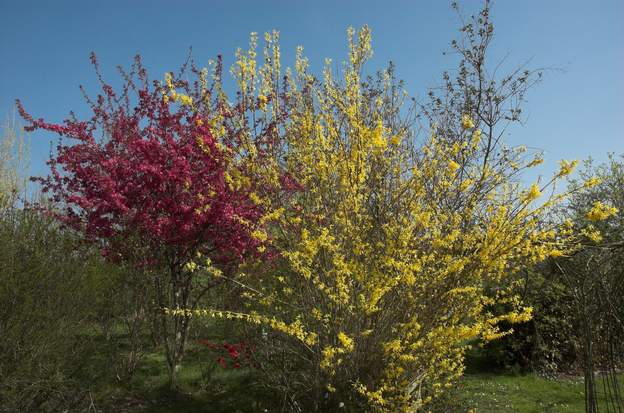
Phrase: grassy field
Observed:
(207, 388)
(203, 387)
(522, 393)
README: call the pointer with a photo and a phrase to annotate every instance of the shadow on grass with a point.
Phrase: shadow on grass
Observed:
(204, 387)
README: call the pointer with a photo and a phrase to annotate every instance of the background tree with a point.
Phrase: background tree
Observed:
(52, 294)
(578, 297)
(14, 152)
(594, 277)
(543, 344)
(164, 186)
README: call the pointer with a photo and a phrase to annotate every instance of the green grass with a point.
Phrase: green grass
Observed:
(521, 394)
(204, 387)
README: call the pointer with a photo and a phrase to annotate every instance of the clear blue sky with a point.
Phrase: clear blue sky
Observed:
(579, 112)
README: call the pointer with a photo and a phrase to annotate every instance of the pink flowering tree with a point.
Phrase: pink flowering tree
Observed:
(158, 177)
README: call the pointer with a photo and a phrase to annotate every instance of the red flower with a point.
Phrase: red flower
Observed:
(156, 180)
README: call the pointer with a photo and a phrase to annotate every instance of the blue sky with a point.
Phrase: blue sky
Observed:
(575, 113)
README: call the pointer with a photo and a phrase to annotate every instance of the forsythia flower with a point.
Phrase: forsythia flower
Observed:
(591, 182)
(379, 141)
(453, 166)
(593, 235)
(600, 212)
(328, 357)
(190, 266)
(466, 184)
(566, 167)
(533, 193)
(536, 161)
(476, 135)
(514, 317)
(169, 81)
(346, 341)
(259, 235)
(262, 101)
(491, 335)
(185, 100)
(467, 122)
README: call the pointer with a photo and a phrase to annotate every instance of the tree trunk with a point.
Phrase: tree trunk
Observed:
(174, 329)
(591, 400)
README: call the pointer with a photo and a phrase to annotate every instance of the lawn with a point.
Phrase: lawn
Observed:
(529, 393)
(205, 387)
(233, 391)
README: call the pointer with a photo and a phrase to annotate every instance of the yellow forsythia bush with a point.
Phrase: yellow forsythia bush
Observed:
(388, 247)
(391, 245)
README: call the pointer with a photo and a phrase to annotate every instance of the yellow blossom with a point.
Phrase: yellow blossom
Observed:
(593, 235)
(600, 212)
(185, 100)
(346, 341)
(566, 167)
(537, 160)
(476, 135)
(262, 101)
(514, 317)
(378, 139)
(591, 182)
(190, 266)
(533, 193)
(453, 166)
(467, 122)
